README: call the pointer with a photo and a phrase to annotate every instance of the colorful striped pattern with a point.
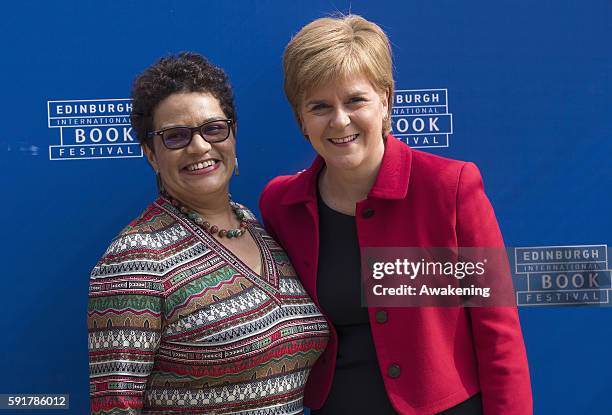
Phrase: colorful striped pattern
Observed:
(179, 325)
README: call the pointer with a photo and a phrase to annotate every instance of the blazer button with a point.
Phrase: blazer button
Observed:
(367, 213)
(381, 316)
(394, 371)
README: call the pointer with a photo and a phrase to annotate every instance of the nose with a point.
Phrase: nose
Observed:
(340, 118)
(198, 144)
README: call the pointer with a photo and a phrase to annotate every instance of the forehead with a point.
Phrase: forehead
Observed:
(186, 108)
(357, 84)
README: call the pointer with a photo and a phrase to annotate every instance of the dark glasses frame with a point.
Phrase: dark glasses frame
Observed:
(192, 130)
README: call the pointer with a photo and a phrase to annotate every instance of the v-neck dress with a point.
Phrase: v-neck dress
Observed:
(178, 324)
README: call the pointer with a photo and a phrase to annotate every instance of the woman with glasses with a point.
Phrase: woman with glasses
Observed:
(194, 309)
(367, 189)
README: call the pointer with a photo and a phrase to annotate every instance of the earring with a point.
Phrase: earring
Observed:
(236, 169)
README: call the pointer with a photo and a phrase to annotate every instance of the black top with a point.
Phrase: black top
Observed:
(357, 386)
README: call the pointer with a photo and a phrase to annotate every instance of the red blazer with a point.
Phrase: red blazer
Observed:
(431, 358)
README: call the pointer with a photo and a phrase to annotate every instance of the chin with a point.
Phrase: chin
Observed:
(203, 190)
(211, 189)
(346, 163)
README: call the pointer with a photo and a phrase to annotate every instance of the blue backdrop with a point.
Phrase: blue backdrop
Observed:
(527, 94)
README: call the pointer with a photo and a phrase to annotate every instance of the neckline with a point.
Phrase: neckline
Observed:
(325, 206)
(268, 281)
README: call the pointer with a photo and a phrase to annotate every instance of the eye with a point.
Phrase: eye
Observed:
(355, 100)
(318, 107)
(215, 131)
(215, 128)
(176, 135)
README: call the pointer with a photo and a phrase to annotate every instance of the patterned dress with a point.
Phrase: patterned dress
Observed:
(179, 325)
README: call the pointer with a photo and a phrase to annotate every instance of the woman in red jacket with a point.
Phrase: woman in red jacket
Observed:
(367, 189)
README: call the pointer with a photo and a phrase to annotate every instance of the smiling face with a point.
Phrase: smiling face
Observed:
(201, 171)
(343, 120)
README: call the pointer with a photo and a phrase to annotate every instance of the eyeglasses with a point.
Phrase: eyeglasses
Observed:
(213, 131)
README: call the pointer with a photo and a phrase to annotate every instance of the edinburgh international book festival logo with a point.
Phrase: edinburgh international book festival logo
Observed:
(562, 275)
(420, 117)
(92, 129)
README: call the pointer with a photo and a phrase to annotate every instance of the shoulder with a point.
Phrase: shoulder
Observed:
(151, 231)
(277, 189)
(151, 220)
(427, 163)
(278, 186)
(142, 246)
(249, 216)
(441, 172)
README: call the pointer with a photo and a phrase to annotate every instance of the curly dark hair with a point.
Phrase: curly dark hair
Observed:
(184, 72)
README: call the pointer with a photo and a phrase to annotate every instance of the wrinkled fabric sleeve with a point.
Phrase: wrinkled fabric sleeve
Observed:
(124, 321)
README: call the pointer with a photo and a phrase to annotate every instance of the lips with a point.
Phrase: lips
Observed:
(344, 140)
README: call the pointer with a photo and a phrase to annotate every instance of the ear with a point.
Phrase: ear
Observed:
(385, 100)
(300, 120)
(303, 128)
(304, 132)
(151, 157)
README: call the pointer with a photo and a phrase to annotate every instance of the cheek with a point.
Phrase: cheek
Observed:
(168, 161)
(230, 147)
(227, 151)
(371, 119)
(309, 121)
(315, 127)
(163, 166)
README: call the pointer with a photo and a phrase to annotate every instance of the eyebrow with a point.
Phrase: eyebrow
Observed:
(209, 119)
(322, 101)
(314, 102)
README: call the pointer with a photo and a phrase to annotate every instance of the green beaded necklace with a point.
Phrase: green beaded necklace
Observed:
(207, 226)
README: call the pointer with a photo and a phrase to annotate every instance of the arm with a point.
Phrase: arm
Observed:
(124, 324)
(502, 360)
